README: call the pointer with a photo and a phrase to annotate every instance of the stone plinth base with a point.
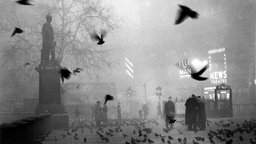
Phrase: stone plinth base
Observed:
(50, 108)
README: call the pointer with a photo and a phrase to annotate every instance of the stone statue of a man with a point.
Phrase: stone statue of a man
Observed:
(48, 46)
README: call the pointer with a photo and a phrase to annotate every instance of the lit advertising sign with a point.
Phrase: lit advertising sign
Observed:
(184, 68)
(218, 67)
(218, 77)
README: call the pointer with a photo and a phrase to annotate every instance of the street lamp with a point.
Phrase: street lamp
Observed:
(159, 94)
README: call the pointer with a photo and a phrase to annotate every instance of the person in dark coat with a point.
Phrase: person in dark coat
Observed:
(105, 114)
(98, 114)
(201, 114)
(191, 112)
(169, 111)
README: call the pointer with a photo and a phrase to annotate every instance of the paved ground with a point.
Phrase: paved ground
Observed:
(179, 131)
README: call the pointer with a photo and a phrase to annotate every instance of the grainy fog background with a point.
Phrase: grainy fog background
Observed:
(142, 31)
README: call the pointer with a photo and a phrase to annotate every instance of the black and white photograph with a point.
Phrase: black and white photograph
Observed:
(127, 71)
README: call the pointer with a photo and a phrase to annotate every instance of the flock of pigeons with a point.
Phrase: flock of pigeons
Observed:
(135, 131)
(183, 13)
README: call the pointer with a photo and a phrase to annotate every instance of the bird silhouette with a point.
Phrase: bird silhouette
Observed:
(100, 39)
(24, 2)
(64, 73)
(241, 138)
(77, 70)
(163, 140)
(16, 31)
(229, 141)
(144, 140)
(185, 12)
(26, 64)
(108, 98)
(185, 140)
(197, 75)
(211, 140)
(150, 141)
(179, 140)
(124, 135)
(194, 142)
(170, 137)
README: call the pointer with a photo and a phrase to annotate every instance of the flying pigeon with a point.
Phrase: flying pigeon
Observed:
(23, 2)
(64, 73)
(16, 31)
(196, 75)
(77, 70)
(185, 12)
(107, 98)
(94, 36)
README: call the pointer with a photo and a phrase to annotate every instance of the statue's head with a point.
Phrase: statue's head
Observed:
(49, 18)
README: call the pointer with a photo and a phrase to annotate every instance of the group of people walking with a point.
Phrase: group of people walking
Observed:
(101, 114)
(195, 115)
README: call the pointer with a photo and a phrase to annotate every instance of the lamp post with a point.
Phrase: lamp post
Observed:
(145, 90)
(159, 94)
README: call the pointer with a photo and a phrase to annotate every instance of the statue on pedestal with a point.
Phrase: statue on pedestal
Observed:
(48, 44)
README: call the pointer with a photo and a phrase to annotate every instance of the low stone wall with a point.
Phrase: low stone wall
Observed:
(32, 129)
(24, 130)
(6, 117)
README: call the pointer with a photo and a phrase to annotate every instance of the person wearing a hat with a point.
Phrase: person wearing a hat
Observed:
(98, 114)
(169, 111)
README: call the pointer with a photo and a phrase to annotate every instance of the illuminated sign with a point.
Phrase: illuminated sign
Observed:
(217, 66)
(218, 77)
(216, 51)
(184, 68)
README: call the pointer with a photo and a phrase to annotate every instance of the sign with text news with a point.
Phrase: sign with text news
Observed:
(218, 66)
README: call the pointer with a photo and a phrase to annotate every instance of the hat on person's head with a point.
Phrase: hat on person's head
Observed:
(198, 96)
(48, 17)
(193, 95)
(170, 97)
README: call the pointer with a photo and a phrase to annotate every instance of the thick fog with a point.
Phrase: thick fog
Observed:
(138, 64)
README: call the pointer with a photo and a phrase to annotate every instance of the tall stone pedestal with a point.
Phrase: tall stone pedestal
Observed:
(49, 94)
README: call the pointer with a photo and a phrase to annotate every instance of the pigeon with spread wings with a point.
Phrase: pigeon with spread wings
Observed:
(23, 2)
(107, 98)
(77, 70)
(185, 12)
(197, 75)
(99, 38)
(16, 31)
(64, 73)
